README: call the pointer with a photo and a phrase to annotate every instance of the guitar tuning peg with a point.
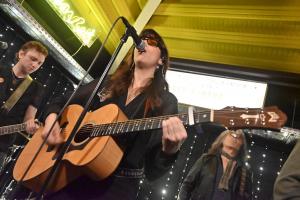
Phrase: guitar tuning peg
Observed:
(262, 110)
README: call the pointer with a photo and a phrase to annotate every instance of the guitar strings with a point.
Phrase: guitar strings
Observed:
(136, 121)
(146, 120)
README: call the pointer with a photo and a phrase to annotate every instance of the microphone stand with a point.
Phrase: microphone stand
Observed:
(67, 144)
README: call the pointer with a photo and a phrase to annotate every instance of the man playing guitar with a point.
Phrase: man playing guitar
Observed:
(24, 107)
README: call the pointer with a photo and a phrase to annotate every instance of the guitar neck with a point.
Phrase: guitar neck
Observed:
(290, 134)
(265, 118)
(285, 135)
(5, 130)
(145, 124)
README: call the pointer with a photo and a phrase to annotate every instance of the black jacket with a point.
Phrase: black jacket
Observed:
(287, 184)
(201, 180)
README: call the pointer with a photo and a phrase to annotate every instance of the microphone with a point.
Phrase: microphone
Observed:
(138, 42)
(3, 45)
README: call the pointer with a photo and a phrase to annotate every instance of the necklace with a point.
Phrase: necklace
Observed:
(131, 94)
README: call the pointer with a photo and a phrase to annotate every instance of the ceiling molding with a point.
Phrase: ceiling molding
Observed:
(142, 3)
(284, 13)
(242, 73)
(240, 55)
(277, 41)
(256, 34)
(124, 9)
(105, 14)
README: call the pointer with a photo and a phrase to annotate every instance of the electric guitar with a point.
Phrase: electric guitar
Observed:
(6, 130)
(93, 151)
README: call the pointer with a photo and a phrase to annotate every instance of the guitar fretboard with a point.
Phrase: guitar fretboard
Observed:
(270, 117)
(12, 128)
(144, 124)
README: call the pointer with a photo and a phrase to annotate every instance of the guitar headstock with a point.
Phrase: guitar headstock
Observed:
(262, 118)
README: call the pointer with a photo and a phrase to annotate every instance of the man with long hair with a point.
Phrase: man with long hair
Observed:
(140, 89)
(222, 173)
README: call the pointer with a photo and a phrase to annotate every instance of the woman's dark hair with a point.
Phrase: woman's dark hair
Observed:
(123, 76)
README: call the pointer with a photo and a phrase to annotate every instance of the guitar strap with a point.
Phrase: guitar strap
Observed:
(14, 97)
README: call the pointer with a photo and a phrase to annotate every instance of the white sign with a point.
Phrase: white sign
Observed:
(215, 92)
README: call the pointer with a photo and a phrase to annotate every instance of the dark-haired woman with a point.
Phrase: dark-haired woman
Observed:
(139, 89)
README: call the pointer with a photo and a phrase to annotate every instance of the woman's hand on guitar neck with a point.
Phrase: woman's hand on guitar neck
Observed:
(55, 136)
(174, 135)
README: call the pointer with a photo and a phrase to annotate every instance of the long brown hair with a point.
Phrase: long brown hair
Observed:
(218, 143)
(123, 76)
(241, 156)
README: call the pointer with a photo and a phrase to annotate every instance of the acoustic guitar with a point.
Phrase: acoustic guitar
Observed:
(93, 151)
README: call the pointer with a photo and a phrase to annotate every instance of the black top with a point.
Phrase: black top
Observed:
(220, 194)
(32, 96)
(139, 145)
(201, 181)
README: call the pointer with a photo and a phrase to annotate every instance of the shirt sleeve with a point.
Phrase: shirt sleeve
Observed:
(249, 182)
(157, 162)
(188, 184)
(287, 184)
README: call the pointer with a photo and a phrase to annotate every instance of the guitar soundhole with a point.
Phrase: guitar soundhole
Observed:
(83, 133)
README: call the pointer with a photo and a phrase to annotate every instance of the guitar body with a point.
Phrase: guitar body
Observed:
(96, 157)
